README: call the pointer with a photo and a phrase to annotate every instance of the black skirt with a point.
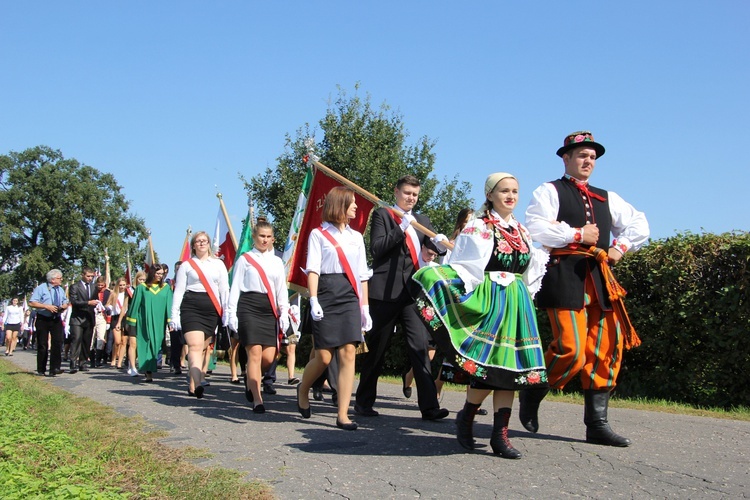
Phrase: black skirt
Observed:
(198, 314)
(342, 320)
(13, 328)
(256, 323)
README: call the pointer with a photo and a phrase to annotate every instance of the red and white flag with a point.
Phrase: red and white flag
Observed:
(223, 246)
(311, 218)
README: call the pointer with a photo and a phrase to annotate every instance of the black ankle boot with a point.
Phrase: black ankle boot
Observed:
(465, 425)
(528, 407)
(499, 441)
(598, 431)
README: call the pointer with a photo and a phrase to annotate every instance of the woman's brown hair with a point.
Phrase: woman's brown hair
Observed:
(336, 204)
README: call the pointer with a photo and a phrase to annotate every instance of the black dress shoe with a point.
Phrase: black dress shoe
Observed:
(235, 381)
(406, 390)
(268, 389)
(351, 426)
(58, 371)
(481, 411)
(305, 412)
(199, 392)
(435, 414)
(259, 408)
(73, 370)
(83, 368)
(178, 372)
(317, 394)
(365, 412)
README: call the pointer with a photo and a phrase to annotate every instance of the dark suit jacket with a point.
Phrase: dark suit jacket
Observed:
(81, 311)
(391, 262)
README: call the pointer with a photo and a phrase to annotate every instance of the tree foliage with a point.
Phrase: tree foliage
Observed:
(369, 147)
(59, 213)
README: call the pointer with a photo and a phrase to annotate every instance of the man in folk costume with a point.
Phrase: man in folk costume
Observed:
(394, 246)
(582, 298)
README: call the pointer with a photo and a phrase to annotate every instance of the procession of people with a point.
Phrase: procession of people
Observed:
(477, 308)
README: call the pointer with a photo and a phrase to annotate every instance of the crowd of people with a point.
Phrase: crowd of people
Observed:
(477, 307)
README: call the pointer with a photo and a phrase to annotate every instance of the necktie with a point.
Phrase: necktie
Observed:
(88, 291)
(55, 297)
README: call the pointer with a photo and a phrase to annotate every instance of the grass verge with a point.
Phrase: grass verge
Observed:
(54, 444)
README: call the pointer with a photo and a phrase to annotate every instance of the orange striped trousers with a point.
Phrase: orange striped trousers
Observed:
(585, 340)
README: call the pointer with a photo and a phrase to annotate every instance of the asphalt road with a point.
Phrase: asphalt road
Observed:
(398, 455)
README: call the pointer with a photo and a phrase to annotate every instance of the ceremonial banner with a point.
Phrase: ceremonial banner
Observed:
(129, 271)
(310, 217)
(223, 246)
(185, 253)
(149, 261)
(246, 241)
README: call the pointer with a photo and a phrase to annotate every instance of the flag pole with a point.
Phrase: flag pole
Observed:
(106, 267)
(226, 218)
(374, 199)
(151, 248)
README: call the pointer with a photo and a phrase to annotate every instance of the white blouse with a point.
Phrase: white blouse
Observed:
(247, 279)
(13, 315)
(322, 257)
(116, 308)
(187, 279)
(473, 249)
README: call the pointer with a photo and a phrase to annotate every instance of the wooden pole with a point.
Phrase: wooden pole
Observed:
(226, 219)
(377, 201)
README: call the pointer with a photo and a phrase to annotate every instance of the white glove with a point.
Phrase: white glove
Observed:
(438, 240)
(406, 221)
(315, 310)
(284, 324)
(176, 325)
(366, 319)
(108, 325)
(233, 323)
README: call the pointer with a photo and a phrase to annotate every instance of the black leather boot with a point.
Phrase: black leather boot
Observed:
(499, 441)
(598, 431)
(528, 407)
(465, 425)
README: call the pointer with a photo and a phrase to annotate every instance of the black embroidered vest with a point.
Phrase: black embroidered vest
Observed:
(563, 284)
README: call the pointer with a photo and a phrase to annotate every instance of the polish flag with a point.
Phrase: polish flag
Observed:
(223, 247)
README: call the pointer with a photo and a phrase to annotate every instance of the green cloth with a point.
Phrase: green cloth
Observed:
(148, 313)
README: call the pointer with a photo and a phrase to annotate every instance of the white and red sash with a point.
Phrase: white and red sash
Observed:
(206, 285)
(410, 243)
(342, 259)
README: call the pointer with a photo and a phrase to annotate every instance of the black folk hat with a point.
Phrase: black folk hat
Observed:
(579, 139)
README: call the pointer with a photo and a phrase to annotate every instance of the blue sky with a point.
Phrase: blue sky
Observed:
(186, 94)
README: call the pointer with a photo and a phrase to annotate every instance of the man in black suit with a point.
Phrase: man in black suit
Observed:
(394, 246)
(83, 301)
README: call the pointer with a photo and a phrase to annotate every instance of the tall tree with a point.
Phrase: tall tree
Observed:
(367, 146)
(59, 213)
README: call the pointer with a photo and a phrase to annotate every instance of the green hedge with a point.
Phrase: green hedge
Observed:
(687, 297)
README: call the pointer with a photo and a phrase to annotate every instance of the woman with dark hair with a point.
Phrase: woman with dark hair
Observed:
(258, 307)
(200, 297)
(148, 314)
(337, 276)
(12, 320)
(117, 307)
(481, 311)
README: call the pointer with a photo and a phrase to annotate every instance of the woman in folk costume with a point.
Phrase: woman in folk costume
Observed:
(337, 276)
(257, 308)
(117, 307)
(481, 313)
(148, 314)
(201, 292)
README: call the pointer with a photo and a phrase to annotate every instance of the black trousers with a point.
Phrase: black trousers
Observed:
(176, 341)
(384, 317)
(46, 329)
(81, 333)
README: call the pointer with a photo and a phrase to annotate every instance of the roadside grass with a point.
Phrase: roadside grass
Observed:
(54, 444)
(660, 405)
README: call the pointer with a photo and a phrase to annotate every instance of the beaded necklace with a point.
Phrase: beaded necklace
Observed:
(514, 239)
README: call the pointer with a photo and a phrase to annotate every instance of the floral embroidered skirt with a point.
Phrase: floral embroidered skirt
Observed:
(490, 333)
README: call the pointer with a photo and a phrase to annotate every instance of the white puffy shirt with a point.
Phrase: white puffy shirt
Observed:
(629, 226)
(247, 279)
(187, 279)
